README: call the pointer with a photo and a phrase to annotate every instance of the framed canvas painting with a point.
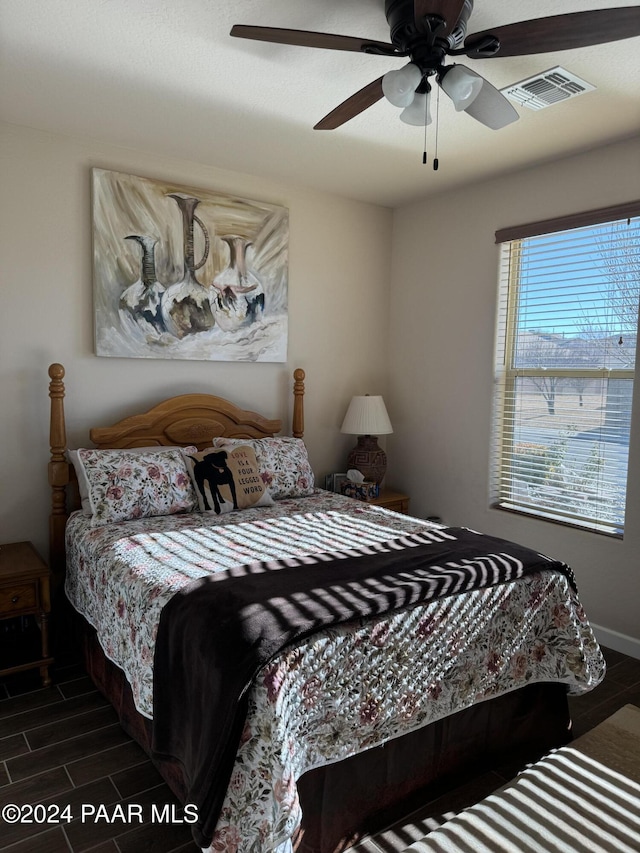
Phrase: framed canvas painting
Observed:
(186, 273)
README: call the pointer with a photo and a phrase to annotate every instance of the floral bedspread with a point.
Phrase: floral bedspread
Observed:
(347, 688)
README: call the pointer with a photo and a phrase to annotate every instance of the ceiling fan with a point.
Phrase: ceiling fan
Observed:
(427, 31)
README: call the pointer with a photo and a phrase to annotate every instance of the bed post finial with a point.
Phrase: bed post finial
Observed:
(298, 403)
(58, 469)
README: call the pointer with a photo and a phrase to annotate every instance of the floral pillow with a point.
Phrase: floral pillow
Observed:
(226, 479)
(283, 463)
(127, 484)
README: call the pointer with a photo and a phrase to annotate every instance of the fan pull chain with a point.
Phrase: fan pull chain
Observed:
(426, 114)
(436, 162)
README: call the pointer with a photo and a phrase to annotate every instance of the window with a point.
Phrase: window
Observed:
(565, 364)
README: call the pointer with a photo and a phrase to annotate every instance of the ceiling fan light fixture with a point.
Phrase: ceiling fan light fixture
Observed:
(461, 85)
(399, 86)
(429, 31)
(418, 112)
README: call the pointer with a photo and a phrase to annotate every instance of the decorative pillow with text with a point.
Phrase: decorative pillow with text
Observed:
(227, 479)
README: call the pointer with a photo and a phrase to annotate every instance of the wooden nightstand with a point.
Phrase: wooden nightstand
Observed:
(390, 499)
(24, 591)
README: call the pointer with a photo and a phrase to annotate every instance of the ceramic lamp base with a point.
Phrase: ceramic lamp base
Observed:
(368, 458)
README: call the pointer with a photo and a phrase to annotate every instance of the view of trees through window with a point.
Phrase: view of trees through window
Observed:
(566, 366)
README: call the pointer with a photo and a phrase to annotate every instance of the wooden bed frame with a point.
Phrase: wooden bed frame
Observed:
(182, 420)
(345, 801)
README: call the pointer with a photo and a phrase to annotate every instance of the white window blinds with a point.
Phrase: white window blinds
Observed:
(565, 366)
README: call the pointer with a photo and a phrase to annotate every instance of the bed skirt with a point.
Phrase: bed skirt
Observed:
(363, 794)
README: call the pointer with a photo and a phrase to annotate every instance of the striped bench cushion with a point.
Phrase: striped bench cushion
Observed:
(563, 803)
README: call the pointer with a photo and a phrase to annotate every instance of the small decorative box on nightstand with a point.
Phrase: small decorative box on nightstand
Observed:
(390, 499)
(24, 591)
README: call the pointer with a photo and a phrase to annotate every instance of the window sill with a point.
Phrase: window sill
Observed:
(602, 530)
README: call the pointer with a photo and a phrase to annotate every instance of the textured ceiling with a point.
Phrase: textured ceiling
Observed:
(164, 76)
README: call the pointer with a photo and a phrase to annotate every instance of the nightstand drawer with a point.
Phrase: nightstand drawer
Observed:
(390, 499)
(396, 506)
(17, 599)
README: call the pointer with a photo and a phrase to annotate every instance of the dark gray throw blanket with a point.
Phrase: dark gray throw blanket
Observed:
(215, 635)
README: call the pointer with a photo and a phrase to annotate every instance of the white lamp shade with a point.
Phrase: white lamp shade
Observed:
(462, 86)
(366, 416)
(399, 86)
(418, 112)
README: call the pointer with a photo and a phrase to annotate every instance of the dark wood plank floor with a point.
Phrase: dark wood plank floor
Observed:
(63, 746)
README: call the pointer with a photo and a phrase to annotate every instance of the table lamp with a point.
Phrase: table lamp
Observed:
(367, 418)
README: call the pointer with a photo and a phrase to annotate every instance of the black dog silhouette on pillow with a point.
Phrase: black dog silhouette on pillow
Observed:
(214, 471)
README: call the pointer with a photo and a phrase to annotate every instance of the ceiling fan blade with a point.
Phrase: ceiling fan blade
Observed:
(303, 38)
(352, 107)
(561, 32)
(490, 106)
(448, 10)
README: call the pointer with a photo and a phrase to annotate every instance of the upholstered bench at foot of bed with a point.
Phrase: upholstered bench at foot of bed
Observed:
(567, 802)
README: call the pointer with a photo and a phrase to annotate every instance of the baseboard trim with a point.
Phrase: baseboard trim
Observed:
(619, 642)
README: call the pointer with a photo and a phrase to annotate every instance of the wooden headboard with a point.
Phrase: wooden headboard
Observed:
(186, 419)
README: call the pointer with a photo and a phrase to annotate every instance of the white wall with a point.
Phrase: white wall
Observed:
(444, 287)
(339, 266)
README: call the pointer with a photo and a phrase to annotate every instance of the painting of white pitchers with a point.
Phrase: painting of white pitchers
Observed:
(186, 273)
